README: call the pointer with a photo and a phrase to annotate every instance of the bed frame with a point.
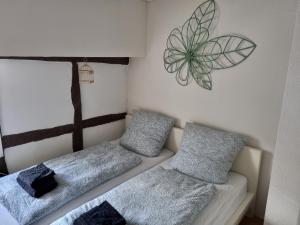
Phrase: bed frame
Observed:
(247, 164)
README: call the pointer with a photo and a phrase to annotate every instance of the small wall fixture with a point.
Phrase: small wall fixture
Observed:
(86, 74)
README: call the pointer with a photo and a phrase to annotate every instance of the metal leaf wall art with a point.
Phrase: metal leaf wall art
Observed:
(192, 54)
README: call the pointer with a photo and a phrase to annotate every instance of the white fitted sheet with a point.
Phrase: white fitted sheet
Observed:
(225, 202)
(147, 163)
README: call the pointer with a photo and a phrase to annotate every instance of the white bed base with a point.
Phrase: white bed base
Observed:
(247, 164)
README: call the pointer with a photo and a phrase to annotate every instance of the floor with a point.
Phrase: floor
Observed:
(252, 221)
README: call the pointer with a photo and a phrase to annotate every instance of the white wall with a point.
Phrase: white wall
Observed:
(284, 196)
(107, 95)
(37, 95)
(34, 95)
(247, 98)
(72, 28)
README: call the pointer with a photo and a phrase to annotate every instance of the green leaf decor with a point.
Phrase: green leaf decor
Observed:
(192, 55)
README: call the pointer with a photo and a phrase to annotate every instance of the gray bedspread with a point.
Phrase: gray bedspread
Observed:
(76, 173)
(157, 197)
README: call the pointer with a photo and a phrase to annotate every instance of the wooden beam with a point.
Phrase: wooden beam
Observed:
(76, 101)
(108, 60)
(38, 135)
(100, 120)
(35, 135)
(3, 167)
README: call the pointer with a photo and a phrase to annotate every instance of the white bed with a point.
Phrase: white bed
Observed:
(237, 196)
(147, 163)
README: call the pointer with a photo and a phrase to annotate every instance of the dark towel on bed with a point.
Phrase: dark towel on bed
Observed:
(37, 180)
(36, 175)
(103, 214)
(43, 188)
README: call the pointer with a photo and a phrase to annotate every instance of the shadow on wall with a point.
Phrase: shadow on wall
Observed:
(264, 183)
(264, 179)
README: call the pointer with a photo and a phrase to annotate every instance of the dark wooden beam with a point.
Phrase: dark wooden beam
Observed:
(35, 135)
(38, 135)
(3, 167)
(108, 60)
(76, 101)
(96, 121)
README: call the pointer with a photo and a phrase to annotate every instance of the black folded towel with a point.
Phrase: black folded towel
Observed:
(37, 180)
(36, 175)
(43, 188)
(103, 214)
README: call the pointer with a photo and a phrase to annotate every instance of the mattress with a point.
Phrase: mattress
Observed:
(146, 164)
(225, 202)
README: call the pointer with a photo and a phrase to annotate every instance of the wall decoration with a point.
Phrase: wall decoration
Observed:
(86, 73)
(192, 54)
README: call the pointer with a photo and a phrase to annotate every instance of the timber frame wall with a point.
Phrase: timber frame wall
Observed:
(78, 123)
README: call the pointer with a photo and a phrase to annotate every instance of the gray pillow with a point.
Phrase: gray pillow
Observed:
(147, 133)
(207, 153)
